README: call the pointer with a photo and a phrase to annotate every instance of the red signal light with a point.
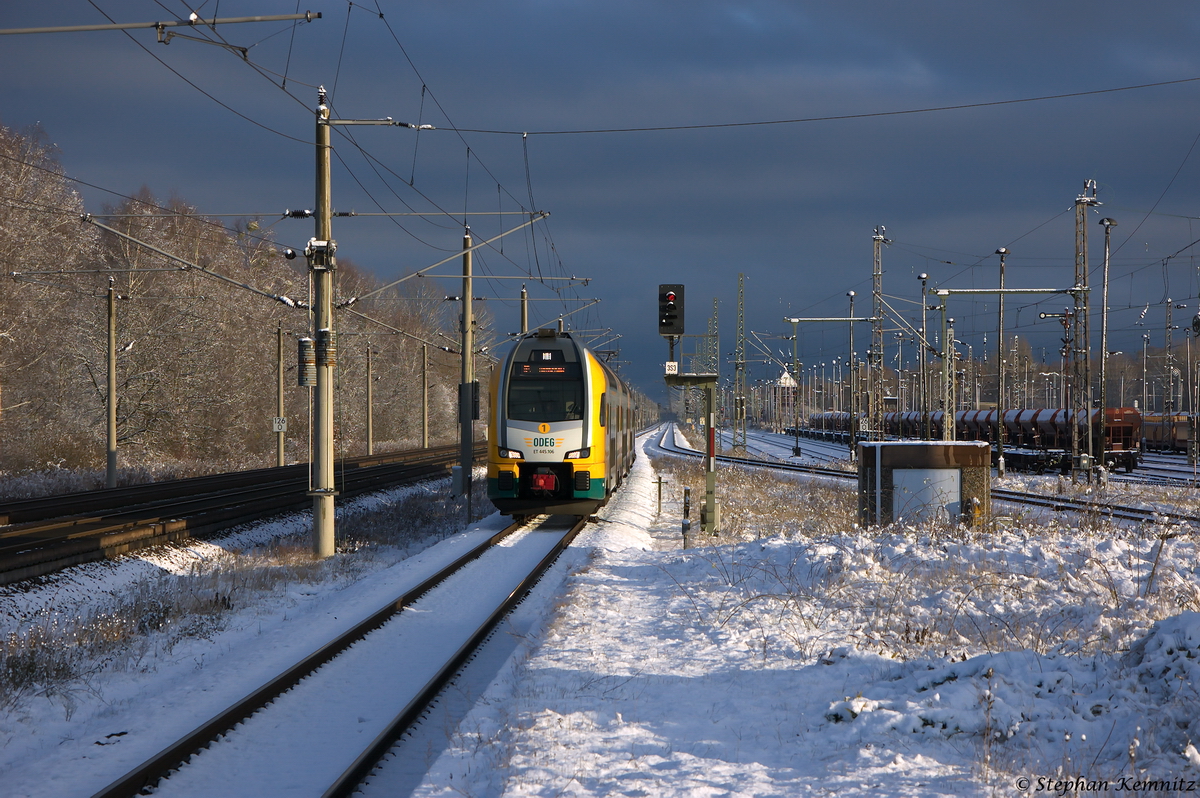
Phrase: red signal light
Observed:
(670, 309)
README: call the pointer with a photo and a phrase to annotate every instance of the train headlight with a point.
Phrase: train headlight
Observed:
(578, 454)
(509, 454)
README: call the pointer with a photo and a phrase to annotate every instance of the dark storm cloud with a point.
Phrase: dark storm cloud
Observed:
(791, 206)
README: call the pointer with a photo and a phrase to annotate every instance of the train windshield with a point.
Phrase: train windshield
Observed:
(543, 400)
(546, 383)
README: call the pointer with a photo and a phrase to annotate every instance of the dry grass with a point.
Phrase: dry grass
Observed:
(59, 656)
(909, 591)
(801, 581)
(756, 503)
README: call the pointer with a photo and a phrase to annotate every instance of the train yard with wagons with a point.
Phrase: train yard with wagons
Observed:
(1165, 432)
(1036, 440)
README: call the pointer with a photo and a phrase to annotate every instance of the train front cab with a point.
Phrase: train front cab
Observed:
(550, 430)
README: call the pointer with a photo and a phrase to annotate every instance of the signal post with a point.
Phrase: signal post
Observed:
(671, 327)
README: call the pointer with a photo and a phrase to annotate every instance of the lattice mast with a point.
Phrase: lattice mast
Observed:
(714, 345)
(714, 364)
(876, 359)
(1169, 393)
(1081, 370)
(739, 362)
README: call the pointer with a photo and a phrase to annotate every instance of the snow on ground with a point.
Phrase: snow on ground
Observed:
(73, 738)
(907, 662)
(738, 670)
(85, 588)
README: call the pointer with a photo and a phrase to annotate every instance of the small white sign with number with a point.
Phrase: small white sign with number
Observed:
(279, 424)
(672, 367)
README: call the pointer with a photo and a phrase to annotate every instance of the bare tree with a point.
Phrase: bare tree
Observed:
(196, 361)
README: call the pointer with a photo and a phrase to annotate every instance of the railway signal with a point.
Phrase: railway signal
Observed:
(670, 309)
(670, 326)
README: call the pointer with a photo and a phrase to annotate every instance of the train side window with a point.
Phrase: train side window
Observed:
(604, 409)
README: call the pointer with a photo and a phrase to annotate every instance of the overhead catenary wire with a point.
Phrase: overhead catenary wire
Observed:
(535, 249)
(441, 212)
(257, 69)
(178, 74)
(337, 73)
(369, 294)
(1167, 188)
(291, 44)
(452, 126)
(978, 260)
(74, 212)
(525, 134)
(187, 265)
(372, 160)
(832, 118)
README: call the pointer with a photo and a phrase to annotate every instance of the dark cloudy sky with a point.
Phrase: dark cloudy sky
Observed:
(792, 206)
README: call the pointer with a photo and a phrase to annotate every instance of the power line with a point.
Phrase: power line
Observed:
(75, 212)
(531, 241)
(868, 115)
(197, 88)
(373, 160)
(1154, 207)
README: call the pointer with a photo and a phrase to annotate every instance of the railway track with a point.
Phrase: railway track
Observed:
(820, 451)
(1161, 469)
(1101, 509)
(763, 445)
(1056, 503)
(1149, 477)
(322, 725)
(724, 458)
(40, 536)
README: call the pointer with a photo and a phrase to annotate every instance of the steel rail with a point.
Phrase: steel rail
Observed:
(169, 758)
(1146, 476)
(350, 779)
(1059, 503)
(38, 550)
(238, 492)
(34, 549)
(1063, 503)
(92, 501)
